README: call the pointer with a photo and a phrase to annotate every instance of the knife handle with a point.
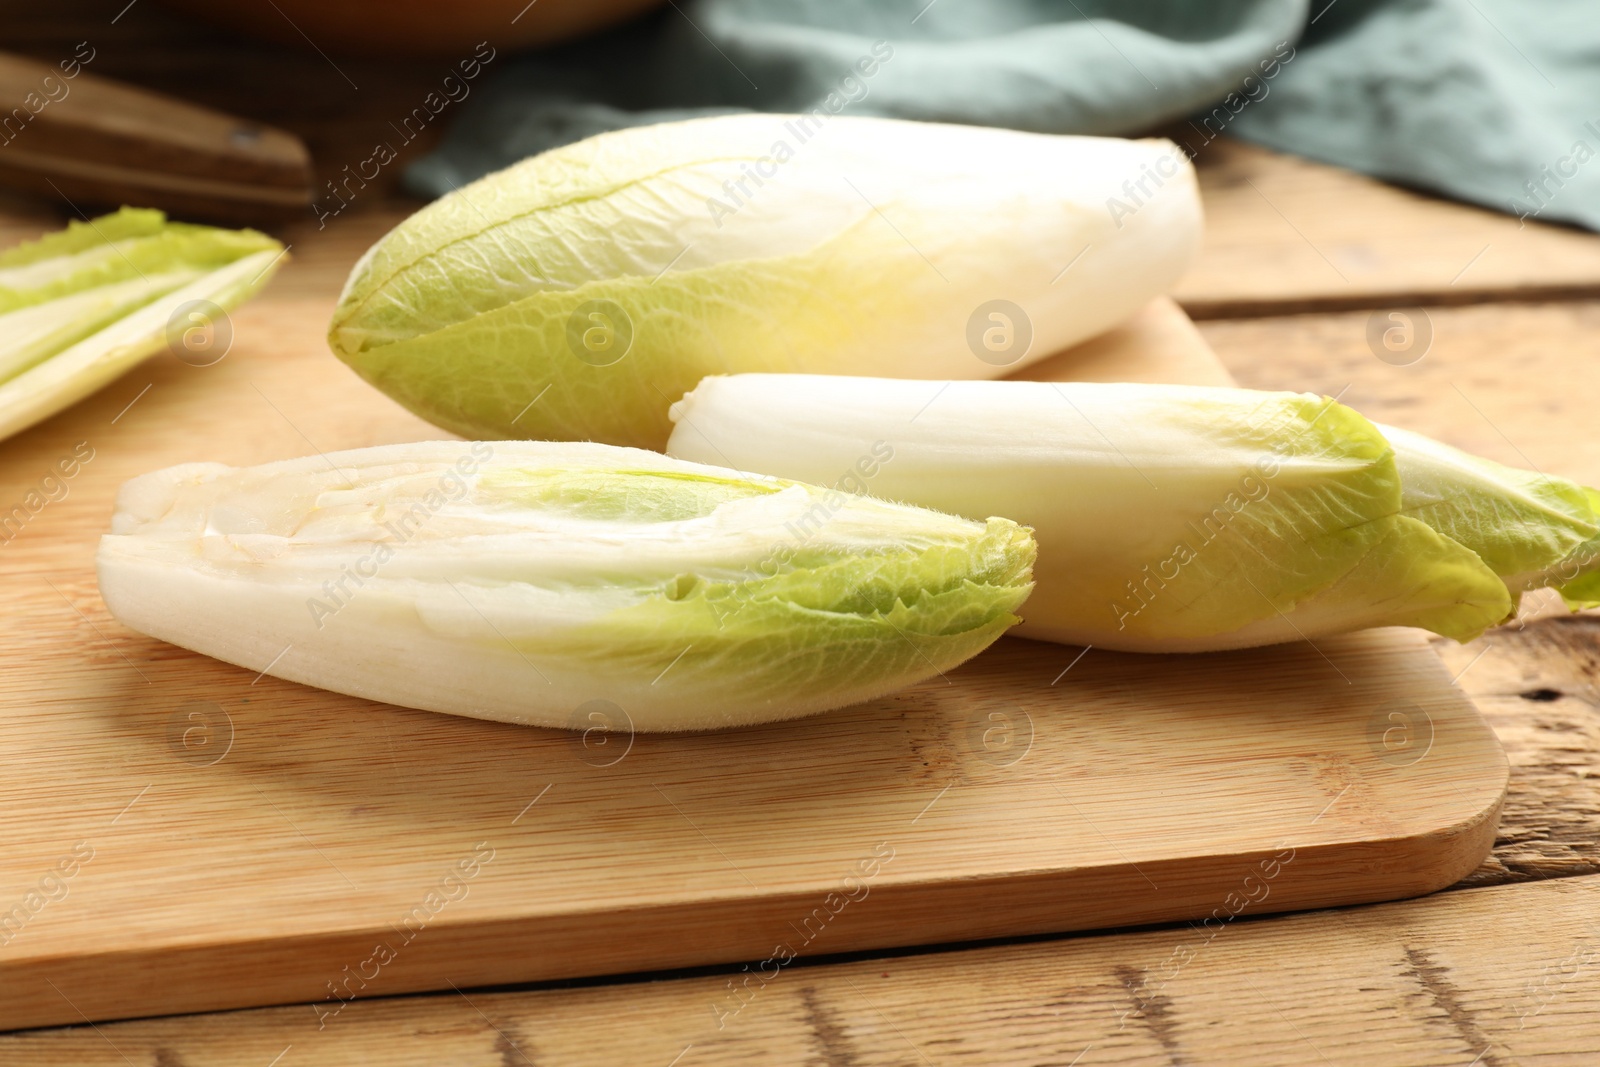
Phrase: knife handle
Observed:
(95, 142)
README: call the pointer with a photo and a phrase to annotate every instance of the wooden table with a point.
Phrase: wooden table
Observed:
(1502, 968)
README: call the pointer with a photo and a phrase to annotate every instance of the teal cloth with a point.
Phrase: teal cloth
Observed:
(1496, 102)
(1484, 100)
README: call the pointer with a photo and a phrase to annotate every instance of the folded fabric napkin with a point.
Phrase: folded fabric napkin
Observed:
(1492, 101)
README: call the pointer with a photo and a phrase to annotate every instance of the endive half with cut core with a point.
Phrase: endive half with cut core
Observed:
(575, 295)
(1181, 518)
(524, 581)
(82, 306)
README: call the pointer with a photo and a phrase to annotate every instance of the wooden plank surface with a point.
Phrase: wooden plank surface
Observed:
(1490, 977)
(1284, 233)
(1513, 382)
(1536, 686)
(316, 823)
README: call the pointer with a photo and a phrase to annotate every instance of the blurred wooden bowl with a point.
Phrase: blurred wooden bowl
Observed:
(417, 27)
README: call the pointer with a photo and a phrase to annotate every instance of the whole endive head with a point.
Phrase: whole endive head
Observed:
(1184, 518)
(577, 294)
(526, 581)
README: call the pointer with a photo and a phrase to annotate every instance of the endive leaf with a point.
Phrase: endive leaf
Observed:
(1577, 577)
(520, 581)
(33, 333)
(1520, 523)
(100, 252)
(79, 236)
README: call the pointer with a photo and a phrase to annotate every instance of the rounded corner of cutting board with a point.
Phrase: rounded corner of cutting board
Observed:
(1441, 857)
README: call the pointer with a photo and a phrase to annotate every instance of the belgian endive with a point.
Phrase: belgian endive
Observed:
(1180, 518)
(81, 306)
(526, 581)
(575, 295)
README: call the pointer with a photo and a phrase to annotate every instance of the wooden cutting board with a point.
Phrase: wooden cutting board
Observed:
(182, 835)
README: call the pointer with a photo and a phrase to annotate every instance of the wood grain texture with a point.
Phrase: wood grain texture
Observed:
(1536, 686)
(1514, 382)
(312, 825)
(1285, 233)
(1491, 977)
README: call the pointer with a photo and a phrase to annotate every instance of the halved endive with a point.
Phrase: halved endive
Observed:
(1181, 518)
(80, 307)
(533, 583)
(575, 295)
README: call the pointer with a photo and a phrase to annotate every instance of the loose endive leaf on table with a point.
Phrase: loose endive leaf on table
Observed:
(80, 307)
(524, 581)
(1180, 518)
(575, 295)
